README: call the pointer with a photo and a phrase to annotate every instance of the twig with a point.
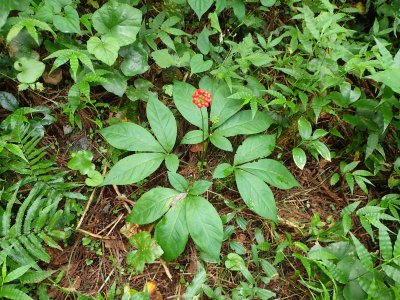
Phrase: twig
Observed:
(97, 236)
(162, 262)
(86, 209)
(111, 224)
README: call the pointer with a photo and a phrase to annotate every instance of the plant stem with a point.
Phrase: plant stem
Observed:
(203, 141)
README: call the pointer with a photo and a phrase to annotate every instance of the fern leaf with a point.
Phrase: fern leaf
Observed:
(396, 250)
(385, 244)
(10, 292)
(392, 272)
(362, 253)
(17, 273)
(35, 250)
(36, 276)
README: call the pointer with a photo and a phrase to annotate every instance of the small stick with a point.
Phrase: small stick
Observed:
(86, 209)
(111, 224)
(97, 236)
(162, 262)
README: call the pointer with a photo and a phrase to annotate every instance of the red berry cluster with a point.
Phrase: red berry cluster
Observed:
(201, 98)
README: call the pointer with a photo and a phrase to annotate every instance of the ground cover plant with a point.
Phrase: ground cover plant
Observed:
(199, 149)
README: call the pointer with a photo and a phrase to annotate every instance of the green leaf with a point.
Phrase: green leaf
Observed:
(199, 187)
(372, 144)
(116, 83)
(35, 277)
(362, 253)
(130, 137)
(272, 172)
(221, 142)
(171, 232)
(244, 123)
(200, 6)
(119, 21)
(305, 128)
(268, 3)
(163, 59)
(178, 182)
(322, 149)
(29, 69)
(9, 292)
(172, 162)
(203, 42)
(134, 168)
(68, 22)
(152, 205)
(16, 150)
(105, 50)
(8, 101)
(334, 179)
(299, 157)
(198, 65)
(81, 161)
(162, 122)
(392, 272)
(256, 194)
(254, 147)
(389, 77)
(205, 227)
(135, 60)
(223, 170)
(183, 101)
(194, 137)
(385, 244)
(197, 283)
(95, 178)
(17, 273)
(147, 251)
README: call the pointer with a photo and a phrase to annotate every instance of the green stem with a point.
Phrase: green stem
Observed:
(203, 143)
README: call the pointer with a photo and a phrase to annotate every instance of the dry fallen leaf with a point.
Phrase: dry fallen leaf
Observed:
(151, 288)
(53, 78)
(129, 229)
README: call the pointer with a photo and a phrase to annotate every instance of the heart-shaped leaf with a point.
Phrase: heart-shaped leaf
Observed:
(119, 21)
(198, 65)
(105, 50)
(200, 6)
(29, 69)
(69, 22)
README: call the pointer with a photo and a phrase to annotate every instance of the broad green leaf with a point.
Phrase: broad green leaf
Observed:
(254, 147)
(134, 168)
(221, 142)
(322, 149)
(256, 194)
(305, 128)
(130, 137)
(372, 144)
(119, 21)
(198, 65)
(172, 162)
(147, 251)
(203, 43)
(8, 101)
(105, 50)
(194, 137)
(222, 107)
(29, 69)
(183, 101)
(272, 172)
(299, 157)
(223, 170)
(68, 22)
(362, 253)
(94, 178)
(152, 205)
(178, 182)
(389, 77)
(135, 60)
(244, 123)
(163, 59)
(200, 6)
(199, 187)
(268, 3)
(171, 232)
(81, 161)
(205, 227)
(116, 83)
(162, 122)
